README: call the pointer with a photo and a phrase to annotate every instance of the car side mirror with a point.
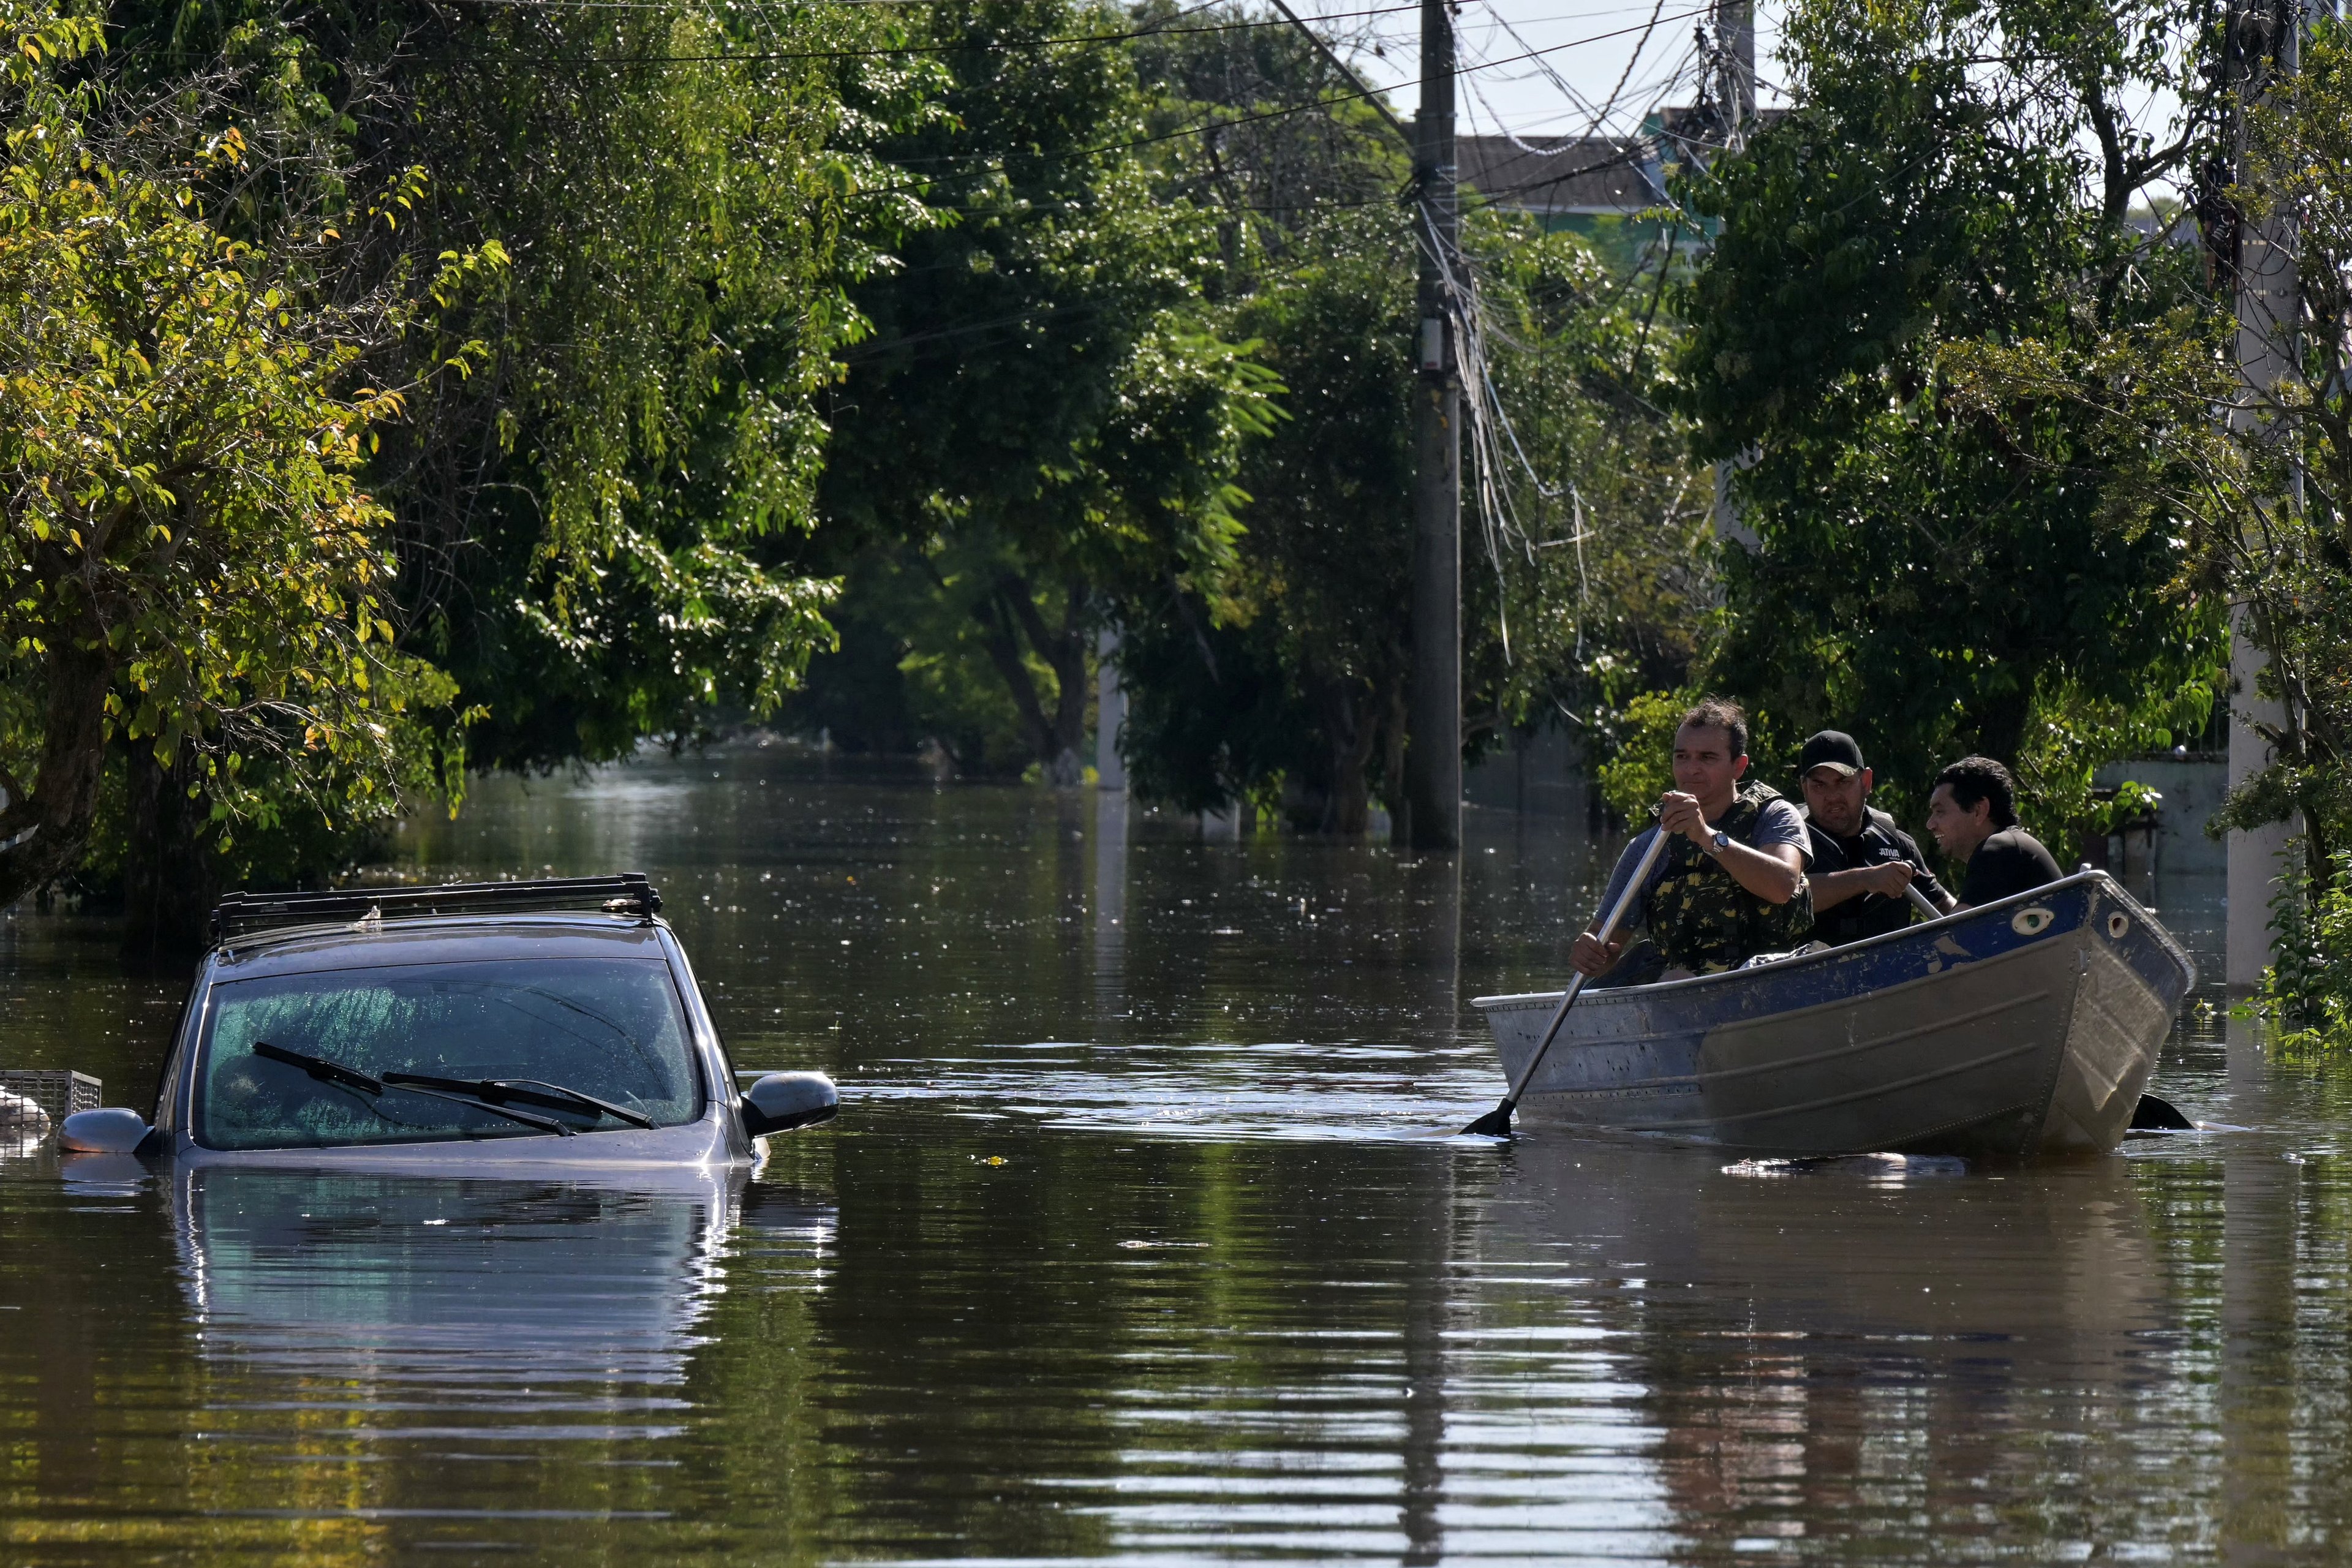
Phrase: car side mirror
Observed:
(783, 1101)
(110, 1131)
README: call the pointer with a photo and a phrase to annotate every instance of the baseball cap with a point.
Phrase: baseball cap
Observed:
(1831, 749)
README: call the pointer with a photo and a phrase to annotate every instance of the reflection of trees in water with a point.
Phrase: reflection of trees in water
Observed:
(1108, 1345)
(1869, 1361)
(392, 1355)
(1953, 1365)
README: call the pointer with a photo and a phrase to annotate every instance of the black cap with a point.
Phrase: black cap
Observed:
(1833, 748)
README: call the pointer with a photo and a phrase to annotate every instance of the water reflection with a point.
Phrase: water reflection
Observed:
(469, 1289)
(1110, 907)
(1128, 1246)
(398, 1344)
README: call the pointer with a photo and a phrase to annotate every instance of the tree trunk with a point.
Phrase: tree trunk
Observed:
(44, 830)
(995, 615)
(1053, 738)
(1351, 734)
(169, 883)
(2001, 725)
(1351, 788)
(1065, 652)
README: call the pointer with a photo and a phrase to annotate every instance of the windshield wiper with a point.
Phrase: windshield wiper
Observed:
(318, 1067)
(528, 1091)
(328, 1071)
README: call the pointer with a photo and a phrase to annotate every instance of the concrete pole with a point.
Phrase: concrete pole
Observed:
(2267, 308)
(1735, 42)
(1433, 764)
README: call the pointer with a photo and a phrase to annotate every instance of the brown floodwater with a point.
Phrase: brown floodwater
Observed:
(1134, 1243)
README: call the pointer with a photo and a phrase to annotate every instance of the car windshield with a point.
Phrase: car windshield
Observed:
(607, 1027)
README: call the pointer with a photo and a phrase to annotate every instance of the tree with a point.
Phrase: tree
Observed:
(1592, 580)
(1585, 576)
(2260, 498)
(1938, 571)
(1291, 669)
(192, 569)
(1041, 422)
(596, 520)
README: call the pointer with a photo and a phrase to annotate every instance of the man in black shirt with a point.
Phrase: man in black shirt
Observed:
(1862, 861)
(1973, 814)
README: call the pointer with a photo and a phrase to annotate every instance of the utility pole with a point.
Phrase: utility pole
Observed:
(2265, 45)
(1433, 764)
(1735, 92)
(1735, 43)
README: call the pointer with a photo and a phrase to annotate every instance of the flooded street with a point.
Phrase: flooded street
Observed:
(1139, 1239)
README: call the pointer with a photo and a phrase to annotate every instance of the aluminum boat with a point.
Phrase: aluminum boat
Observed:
(2027, 1026)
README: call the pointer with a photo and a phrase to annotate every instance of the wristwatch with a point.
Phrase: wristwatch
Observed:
(1720, 842)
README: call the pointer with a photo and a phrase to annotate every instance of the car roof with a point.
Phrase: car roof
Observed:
(444, 939)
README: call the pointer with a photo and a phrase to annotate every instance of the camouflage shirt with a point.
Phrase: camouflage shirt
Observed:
(1702, 919)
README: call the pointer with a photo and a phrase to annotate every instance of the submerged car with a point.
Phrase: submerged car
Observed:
(550, 1022)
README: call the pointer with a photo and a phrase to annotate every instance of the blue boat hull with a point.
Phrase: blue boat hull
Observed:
(2027, 1026)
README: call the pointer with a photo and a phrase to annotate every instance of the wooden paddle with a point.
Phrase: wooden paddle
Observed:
(2151, 1114)
(1497, 1123)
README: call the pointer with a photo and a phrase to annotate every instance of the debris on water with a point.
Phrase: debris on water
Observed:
(1882, 1167)
(21, 1116)
(1769, 1167)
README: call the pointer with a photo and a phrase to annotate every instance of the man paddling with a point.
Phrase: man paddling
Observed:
(1973, 815)
(1731, 883)
(1862, 861)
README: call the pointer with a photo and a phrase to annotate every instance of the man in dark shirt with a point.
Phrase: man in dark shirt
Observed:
(1862, 861)
(1973, 814)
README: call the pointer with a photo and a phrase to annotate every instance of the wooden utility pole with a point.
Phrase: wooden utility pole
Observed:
(1432, 764)
(2265, 43)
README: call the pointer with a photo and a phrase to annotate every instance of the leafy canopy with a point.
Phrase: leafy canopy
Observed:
(1940, 571)
(188, 556)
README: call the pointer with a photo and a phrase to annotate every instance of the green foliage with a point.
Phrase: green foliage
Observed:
(615, 439)
(1642, 768)
(2255, 505)
(1292, 664)
(189, 560)
(2308, 987)
(1592, 580)
(2132, 802)
(1947, 565)
(2278, 522)
(648, 432)
(1044, 421)
(1593, 577)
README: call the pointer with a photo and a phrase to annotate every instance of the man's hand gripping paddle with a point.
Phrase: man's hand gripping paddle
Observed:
(1497, 1123)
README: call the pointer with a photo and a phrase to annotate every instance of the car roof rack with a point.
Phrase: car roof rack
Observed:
(242, 914)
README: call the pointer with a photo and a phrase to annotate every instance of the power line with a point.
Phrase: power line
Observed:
(1083, 39)
(759, 56)
(1327, 102)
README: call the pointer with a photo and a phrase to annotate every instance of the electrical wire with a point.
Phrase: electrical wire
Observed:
(963, 48)
(759, 57)
(1495, 451)
(1326, 101)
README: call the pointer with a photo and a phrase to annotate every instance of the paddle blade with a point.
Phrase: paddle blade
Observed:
(2154, 1115)
(1496, 1123)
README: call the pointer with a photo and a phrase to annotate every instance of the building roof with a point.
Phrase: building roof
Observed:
(1563, 175)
